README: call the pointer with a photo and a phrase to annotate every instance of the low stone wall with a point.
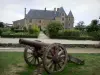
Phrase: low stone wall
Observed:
(66, 45)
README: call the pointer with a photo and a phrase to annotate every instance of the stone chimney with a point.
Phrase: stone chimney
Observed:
(45, 9)
(55, 10)
(25, 13)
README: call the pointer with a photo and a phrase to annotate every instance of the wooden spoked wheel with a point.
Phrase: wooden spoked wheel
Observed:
(55, 58)
(31, 57)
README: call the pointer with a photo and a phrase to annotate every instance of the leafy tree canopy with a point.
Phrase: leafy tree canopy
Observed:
(80, 25)
(1, 25)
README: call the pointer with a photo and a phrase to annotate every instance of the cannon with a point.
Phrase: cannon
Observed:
(54, 57)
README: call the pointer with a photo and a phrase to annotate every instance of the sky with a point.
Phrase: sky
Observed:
(83, 10)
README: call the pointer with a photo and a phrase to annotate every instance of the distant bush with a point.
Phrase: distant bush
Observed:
(72, 33)
(5, 29)
(18, 35)
(34, 29)
(24, 28)
(53, 28)
(1, 25)
(12, 28)
(95, 34)
(0, 31)
(18, 30)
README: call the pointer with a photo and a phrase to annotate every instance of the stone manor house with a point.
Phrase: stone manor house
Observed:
(43, 17)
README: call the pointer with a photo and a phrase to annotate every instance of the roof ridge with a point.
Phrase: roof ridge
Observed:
(70, 14)
(41, 10)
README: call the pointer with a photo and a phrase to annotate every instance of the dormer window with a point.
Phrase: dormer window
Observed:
(63, 19)
(30, 20)
(62, 14)
(69, 19)
(39, 21)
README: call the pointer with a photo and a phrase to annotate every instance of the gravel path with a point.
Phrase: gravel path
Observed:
(69, 50)
(62, 41)
(42, 36)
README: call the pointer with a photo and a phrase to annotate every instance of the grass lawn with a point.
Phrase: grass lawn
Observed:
(12, 63)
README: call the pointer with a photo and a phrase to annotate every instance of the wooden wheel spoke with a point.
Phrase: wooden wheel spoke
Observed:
(50, 64)
(32, 60)
(37, 61)
(59, 65)
(49, 57)
(60, 52)
(29, 53)
(62, 61)
(55, 67)
(62, 56)
(52, 68)
(49, 61)
(30, 57)
(31, 48)
(51, 53)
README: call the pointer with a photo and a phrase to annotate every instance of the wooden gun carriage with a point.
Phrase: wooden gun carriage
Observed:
(54, 57)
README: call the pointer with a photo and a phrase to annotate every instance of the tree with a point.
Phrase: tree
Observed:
(94, 26)
(54, 27)
(0, 31)
(80, 26)
(12, 28)
(1, 25)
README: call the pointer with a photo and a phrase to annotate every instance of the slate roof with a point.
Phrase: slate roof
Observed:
(42, 14)
(70, 14)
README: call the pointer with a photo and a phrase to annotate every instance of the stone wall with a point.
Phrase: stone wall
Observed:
(19, 23)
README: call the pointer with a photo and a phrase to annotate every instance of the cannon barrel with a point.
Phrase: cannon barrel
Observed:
(32, 43)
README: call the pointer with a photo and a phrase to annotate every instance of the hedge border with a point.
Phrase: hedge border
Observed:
(66, 45)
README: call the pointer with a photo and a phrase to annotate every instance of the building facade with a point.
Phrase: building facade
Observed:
(43, 17)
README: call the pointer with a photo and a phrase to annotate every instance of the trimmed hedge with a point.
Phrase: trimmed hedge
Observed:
(95, 34)
(18, 30)
(73, 35)
(19, 35)
(73, 38)
(0, 31)
(65, 45)
(67, 34)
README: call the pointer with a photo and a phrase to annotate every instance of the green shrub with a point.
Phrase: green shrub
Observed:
(34, 29)
(25, 29)
(19, 35)
(53, 28)
(18, 30)
(12, 28)
(5, 29)
(72, 33)
(95, 34)
(0, 31)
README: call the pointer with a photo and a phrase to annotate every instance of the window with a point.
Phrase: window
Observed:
(63, 19)
(30, 20)
(39, 21)
(62, 14)
(69, 19)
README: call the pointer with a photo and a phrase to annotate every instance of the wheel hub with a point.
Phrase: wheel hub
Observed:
(55, 59)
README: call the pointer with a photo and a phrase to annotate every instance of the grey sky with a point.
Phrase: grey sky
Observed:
(83, 10)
